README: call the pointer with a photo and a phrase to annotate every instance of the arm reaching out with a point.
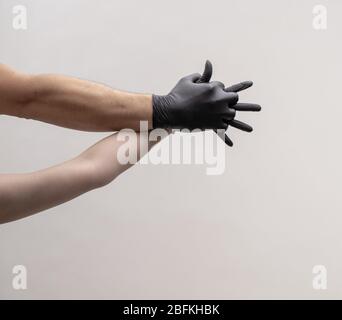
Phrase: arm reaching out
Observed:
(71, 103)
(193, 103)
(22, 195)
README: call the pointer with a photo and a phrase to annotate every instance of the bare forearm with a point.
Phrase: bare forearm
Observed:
(85, 105)
(72, 103)
(22, 195)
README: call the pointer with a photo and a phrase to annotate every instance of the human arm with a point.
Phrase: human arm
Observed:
(193, 103)
(22, 195)
(70, 102)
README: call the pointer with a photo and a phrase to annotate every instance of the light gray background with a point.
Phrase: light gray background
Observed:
(171, 231)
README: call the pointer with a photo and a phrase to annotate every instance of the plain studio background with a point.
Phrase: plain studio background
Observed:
(172, 231)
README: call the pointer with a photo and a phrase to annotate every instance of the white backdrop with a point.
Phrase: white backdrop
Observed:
(171, 231)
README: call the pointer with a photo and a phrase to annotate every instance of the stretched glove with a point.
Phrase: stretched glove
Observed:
(206, 76)
(197, 103)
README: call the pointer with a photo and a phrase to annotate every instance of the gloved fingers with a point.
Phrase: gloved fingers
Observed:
(226, 139)
(207, 73)
(239, 86)
(217, 84)
(240, 125)
(231, 98)
(228, 114)
(194, 77)
(223, 125)
(246, 107)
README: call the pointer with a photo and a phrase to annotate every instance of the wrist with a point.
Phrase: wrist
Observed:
(136, 107)
(161, 106)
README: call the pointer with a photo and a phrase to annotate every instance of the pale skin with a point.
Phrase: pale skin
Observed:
(75, 104)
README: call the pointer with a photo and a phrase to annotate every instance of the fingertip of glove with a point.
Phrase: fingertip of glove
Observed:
(247, 84)
(207, 73)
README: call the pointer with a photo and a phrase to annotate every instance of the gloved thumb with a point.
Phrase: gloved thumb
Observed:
(207, 73)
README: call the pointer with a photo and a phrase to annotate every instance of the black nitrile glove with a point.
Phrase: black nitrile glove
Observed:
(206, 76)
(240, 107)
(197, 103)
(194, 105)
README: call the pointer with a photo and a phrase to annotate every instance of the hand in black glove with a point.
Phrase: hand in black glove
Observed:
(197, 103)
(194, 105)
(240, 107)
(206, 76)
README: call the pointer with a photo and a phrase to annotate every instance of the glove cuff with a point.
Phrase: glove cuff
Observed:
(160, 106)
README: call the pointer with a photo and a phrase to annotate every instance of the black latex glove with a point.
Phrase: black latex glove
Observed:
(205, 78)
(194, 105)
(197, 103)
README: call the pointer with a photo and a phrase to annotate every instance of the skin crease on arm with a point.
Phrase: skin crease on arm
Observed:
(71, 103)
(22, 195)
